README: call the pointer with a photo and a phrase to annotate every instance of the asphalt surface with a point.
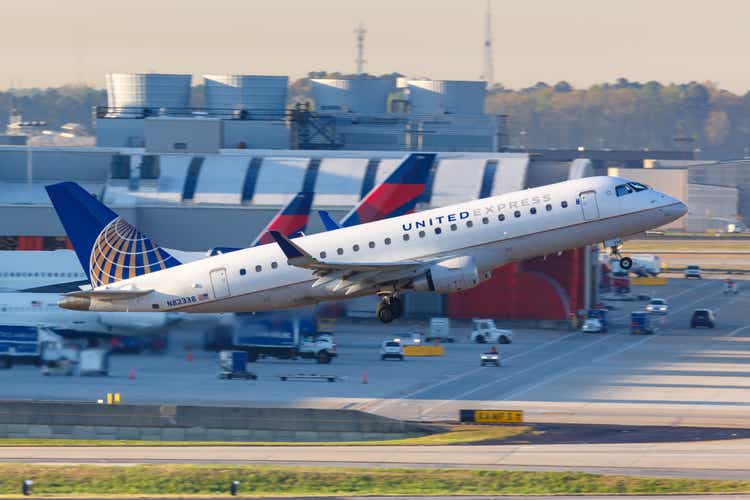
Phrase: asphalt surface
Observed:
(677, 377)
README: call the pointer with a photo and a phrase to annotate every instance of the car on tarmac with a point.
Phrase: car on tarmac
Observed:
(484, 331)
(592, 325)
(693, 271)
(391, 349)
(703, 317)
(730, 288)
(491, 357)
(657, 306)
(410, 338)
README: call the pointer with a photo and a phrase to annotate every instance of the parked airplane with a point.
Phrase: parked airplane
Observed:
(443, 250)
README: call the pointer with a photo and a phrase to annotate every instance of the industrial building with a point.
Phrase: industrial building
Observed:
(251, 111)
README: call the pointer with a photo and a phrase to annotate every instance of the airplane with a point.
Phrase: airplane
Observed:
(59, 271)
(442, 250)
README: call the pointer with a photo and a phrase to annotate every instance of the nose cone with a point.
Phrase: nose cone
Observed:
(674, 209)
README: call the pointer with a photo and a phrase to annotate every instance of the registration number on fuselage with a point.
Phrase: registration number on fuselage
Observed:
(181, 301)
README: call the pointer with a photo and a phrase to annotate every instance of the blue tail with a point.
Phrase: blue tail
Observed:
(327, 220)
(108, 248)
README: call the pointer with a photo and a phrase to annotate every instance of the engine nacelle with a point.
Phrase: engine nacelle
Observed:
(450, 275)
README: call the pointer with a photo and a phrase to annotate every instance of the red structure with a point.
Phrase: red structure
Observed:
(539, 289)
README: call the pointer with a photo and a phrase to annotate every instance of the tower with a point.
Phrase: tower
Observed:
(360, 60)
(488, 71)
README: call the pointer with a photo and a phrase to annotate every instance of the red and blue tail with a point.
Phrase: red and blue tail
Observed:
(397, 195)
(290, 221)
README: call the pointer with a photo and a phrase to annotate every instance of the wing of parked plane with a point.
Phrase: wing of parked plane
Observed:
(354, 276)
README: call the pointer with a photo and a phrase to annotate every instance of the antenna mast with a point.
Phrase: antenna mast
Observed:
(360, 61)
(488, 72)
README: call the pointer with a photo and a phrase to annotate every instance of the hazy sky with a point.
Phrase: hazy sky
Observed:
(52, 42)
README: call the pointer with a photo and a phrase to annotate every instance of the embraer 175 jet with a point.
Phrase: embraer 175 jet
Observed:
(444, 250)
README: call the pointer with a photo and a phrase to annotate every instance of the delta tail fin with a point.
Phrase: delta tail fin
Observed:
(395, 196)
(291, 220)
(108, 247)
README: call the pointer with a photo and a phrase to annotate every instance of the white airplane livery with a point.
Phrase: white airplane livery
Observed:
(443, 250)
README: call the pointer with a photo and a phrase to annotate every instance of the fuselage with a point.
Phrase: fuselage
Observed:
(493, 231)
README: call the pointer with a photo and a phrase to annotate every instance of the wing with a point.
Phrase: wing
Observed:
(352, 276)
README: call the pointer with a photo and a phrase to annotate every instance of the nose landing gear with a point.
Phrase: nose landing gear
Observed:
(614, 250)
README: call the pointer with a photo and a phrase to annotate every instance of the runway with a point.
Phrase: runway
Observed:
(698, 460)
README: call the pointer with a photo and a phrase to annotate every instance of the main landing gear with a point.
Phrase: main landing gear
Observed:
(389, 308)
(614, 250)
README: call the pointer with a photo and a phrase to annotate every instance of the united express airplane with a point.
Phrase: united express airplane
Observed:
(443, 250)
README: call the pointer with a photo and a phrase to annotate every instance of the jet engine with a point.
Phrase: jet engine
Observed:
(450, 275)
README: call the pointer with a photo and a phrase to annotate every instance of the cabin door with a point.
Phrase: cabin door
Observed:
(219, 283)
(588, 205)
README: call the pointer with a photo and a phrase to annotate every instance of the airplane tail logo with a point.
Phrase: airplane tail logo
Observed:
(108, 247)
(395, 196)
(121, 252)
(291, 220)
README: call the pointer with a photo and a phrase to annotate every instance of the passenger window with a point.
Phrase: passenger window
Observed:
(258, 269)
(387, 241)
(453, 227)
(564, 204)
(438, 230)
(532, 210)
(323, 255)
(501, 217)
(340, 251)
(371, 244)
(243, 272)
(517, 213)
(623, 189)
(421, 234)
(406, 237)
(355, 248)
(485, 220)
(469, 223)
(274, 265)
(548, 207)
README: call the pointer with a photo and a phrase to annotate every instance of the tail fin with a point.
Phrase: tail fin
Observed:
(395, 196)
(327, 220)
(108, 248)
(290, 220)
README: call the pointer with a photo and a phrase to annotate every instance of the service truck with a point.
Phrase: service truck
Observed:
(283, 337)
(26, 344)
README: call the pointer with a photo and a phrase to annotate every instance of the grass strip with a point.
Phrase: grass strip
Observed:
(317, 481)
(452, 434)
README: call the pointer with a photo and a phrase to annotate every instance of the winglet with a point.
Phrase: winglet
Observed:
(328, 222)
(295, 255)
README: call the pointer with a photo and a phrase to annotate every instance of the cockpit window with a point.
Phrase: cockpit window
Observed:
(638, 186)
(623, 189)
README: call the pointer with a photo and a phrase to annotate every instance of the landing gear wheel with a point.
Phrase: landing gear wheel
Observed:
(385, 312)
(626, 263)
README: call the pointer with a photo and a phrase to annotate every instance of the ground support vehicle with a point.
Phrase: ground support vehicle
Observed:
(26, 344)
(602, 315)
(490, 358)
(640, 323)
(94, 362)
(484, 331)
(693, 271)
(730, 288)
(703, 317)
(440, 330)
(307, 377)
(592, 325)
(234, 365)
(288, 338)
(391, 349)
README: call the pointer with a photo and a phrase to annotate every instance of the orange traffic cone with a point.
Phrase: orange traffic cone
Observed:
(131, 375)
(364, 377)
